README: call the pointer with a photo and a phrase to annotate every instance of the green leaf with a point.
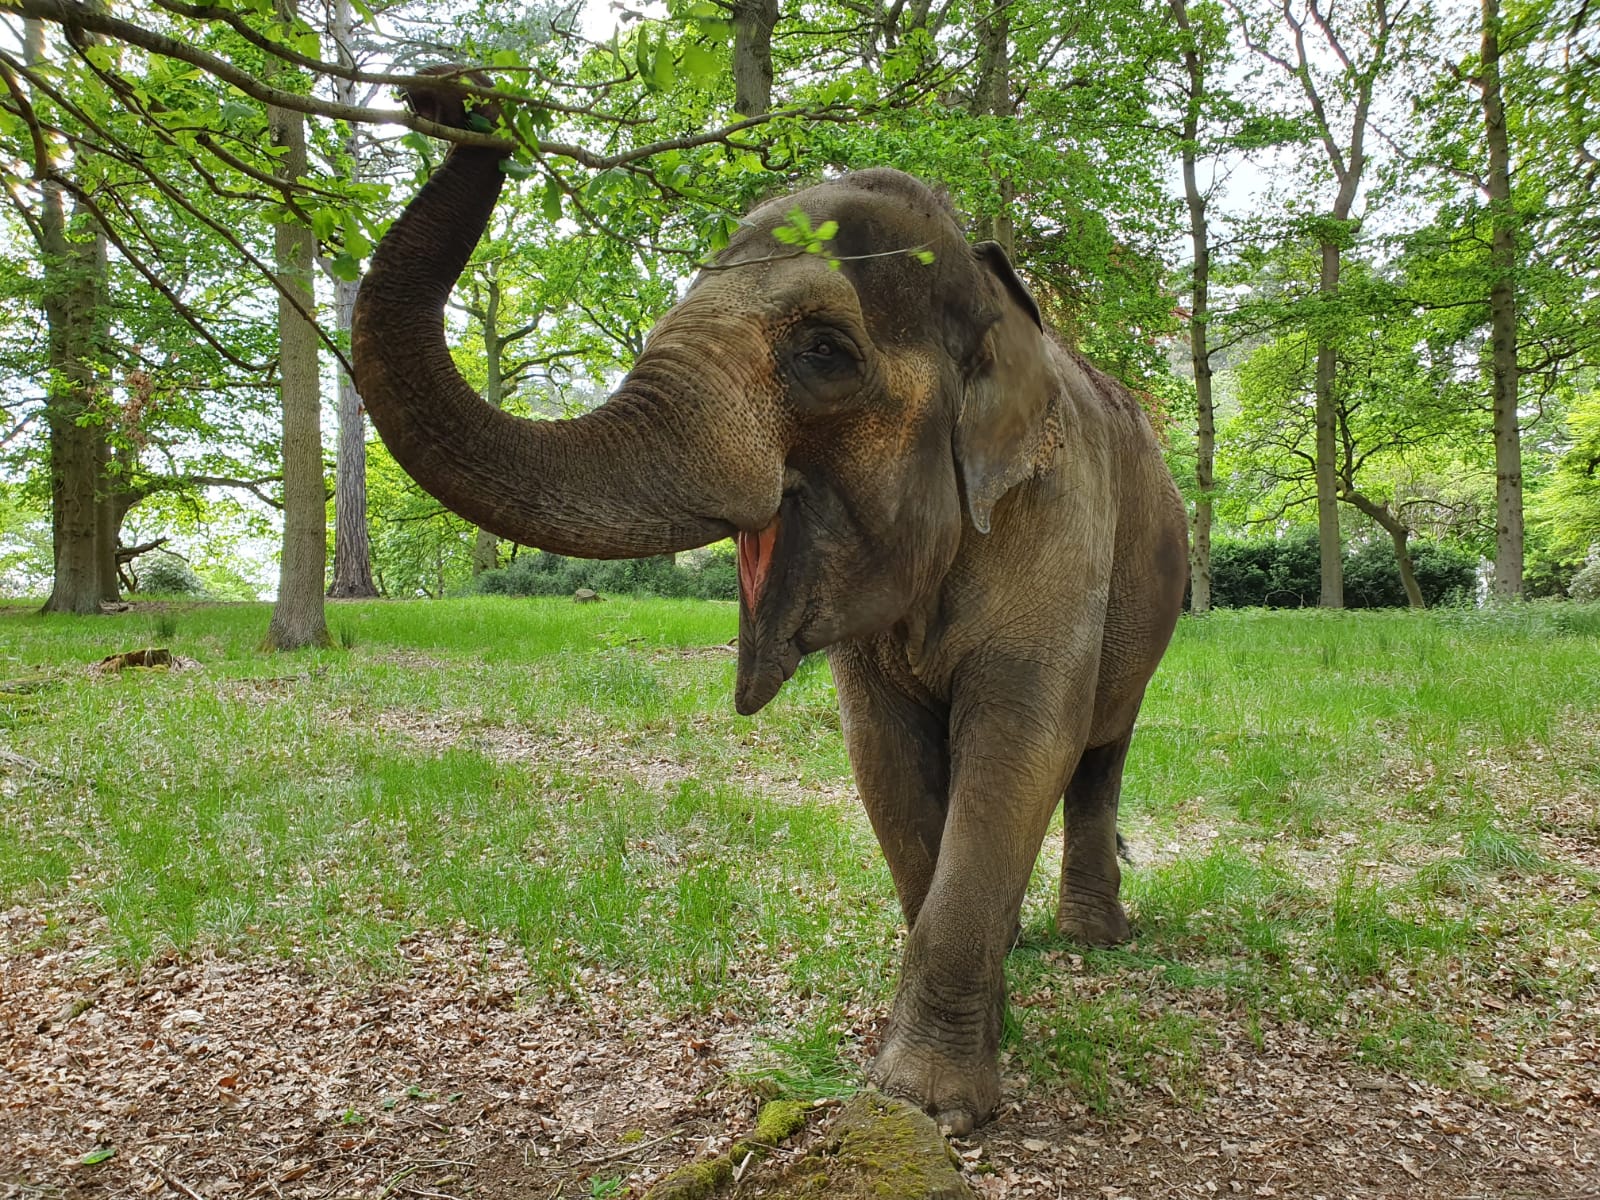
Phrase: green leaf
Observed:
(515, 169)
(664, 72)
(505, 58)
(99, 1155)
(788, 235)
(700, 63)
(552, 201)
(923, 256)
(705, 10)
(345, 266)
(479, 123)
(827, 231)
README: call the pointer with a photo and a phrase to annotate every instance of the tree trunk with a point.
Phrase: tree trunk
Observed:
(1328, 544)
(74, 257)
(1199, 307)
(107, 520)
(992, 97)
(297, 616)
(1408, 573)
(75, 278)
(352, 547)
(1399, 533)
(486, 550)
(1502, 321)
(753, 23)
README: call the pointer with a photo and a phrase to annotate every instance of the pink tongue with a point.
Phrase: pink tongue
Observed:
(755, 561)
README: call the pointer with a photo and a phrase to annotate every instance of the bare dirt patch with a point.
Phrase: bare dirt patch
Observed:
(460, 1075)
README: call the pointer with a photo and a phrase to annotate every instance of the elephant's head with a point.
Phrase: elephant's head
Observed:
(844, 422)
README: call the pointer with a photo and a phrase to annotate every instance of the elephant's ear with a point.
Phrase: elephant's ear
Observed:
(1008, 384)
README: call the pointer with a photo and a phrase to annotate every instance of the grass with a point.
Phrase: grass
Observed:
(1380, 827)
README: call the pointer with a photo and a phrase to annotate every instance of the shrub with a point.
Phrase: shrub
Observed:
(713, 576)
(1585, 585)
(1446, 575)
(163, 574)
(1266, 572)
(1286, 572)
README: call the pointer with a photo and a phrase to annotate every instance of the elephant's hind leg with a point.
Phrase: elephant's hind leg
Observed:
(1089, 910)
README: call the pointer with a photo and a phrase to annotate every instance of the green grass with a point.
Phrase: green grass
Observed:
(1382, 827)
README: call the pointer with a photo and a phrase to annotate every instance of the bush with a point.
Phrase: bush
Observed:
(1446, 575)
(712, 576)
(1286, 572)
(1585, 585)
(163, 574)
(1266, 572)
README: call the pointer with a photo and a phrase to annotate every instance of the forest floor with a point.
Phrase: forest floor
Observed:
(500, 901)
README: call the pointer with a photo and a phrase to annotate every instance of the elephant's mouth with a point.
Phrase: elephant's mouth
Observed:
(769, 647)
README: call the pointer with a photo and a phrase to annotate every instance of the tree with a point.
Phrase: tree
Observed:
(1502, 317)
(298, 619)
(1398, 417)
(1196, 52)
(1339, 106)
(72, 251)
(352, 552)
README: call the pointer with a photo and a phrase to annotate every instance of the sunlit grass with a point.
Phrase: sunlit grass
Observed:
(1360, 823)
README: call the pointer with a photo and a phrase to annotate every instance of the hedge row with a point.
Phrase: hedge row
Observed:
(1286, 573)
(714, 576)
(1261, 573)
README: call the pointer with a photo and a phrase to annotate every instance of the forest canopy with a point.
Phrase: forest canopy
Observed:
(1342, 254)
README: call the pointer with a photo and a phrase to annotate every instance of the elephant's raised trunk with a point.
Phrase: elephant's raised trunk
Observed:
(652, 471)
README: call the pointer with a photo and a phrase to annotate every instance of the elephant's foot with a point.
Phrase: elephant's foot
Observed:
(1092, 920)
(958, 1091)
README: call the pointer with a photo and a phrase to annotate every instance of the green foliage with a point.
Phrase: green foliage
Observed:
(709, 575)
(1284, 572)
(1446, 574)
(1585, 585)
(1564, 504)
(163, 574)
(1266, 572)
(797, 231)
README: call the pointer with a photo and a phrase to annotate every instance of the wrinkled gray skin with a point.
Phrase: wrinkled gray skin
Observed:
(974, 522)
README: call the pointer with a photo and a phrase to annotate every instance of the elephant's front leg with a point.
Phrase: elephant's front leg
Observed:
(900, 756)
(942, 1048)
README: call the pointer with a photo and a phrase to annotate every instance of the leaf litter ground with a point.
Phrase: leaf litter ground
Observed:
(461, 1076)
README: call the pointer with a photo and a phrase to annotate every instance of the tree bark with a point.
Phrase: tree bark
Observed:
(74, 281)
(1400, 534)
(1328, 542)
(1502, 321)
(486, 550)
(753, 23)
(107, 522)
(297, 617)
(352, 545)
(1199, 307)
(991, 96)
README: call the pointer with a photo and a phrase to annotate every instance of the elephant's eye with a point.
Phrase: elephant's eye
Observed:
(824, 368)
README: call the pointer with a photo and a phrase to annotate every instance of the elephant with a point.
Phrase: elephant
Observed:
(974, 523)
